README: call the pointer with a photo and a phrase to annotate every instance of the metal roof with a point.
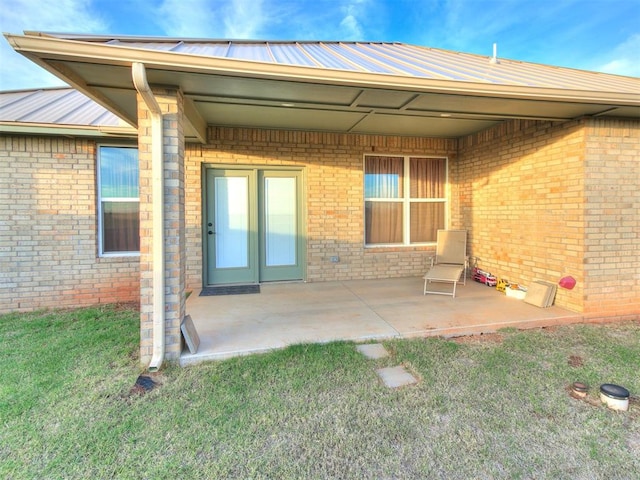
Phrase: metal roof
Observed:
(352, 87)
(58, 111)
(391, 58)
(58, 106)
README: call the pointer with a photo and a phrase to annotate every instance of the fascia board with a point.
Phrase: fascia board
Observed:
(44, 48)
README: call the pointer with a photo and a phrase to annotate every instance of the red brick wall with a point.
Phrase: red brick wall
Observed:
(48, 229)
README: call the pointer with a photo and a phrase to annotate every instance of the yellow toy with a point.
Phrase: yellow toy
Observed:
(502, 285)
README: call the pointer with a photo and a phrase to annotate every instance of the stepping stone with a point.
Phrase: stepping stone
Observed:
(373, 350)
(394, 377)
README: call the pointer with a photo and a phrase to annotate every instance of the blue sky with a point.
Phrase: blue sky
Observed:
(599, 35)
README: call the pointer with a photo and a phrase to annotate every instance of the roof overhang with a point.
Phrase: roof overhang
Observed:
(246, 93)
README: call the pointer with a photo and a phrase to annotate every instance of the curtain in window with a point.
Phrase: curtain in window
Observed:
(119, 196)
(383, 177)
(383, 222)
(426, 219)
(119, 172)
(428, 177)
(120, 227)
(385, 199)
(383, 180)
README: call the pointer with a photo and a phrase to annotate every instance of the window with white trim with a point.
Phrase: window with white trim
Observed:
(405, 199)
(118, 200)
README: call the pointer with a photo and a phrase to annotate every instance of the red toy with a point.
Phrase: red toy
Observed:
(484, 277)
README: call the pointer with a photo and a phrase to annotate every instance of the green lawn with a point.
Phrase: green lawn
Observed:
(484, 408)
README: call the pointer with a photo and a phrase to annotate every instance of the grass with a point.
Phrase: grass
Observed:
(484, 408)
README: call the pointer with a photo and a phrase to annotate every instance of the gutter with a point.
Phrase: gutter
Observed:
(139, 76)
(70, 130)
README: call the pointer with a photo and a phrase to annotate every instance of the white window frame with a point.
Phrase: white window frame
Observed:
(101, 252)
(406, 200)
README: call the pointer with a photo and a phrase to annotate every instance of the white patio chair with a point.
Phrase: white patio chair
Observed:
(450, 263)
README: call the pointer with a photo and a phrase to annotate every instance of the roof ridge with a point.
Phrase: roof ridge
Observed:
(163, 39)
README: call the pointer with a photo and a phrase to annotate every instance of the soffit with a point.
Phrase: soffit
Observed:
(264, 93)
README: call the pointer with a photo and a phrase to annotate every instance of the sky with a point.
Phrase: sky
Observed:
(597, 35)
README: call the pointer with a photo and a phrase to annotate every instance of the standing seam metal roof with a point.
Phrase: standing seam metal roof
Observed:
(388, 58)
(66, 106)
(56, 106)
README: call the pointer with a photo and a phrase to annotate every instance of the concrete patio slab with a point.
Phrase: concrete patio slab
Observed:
(373, 350)
(359, 310)
(395, 377)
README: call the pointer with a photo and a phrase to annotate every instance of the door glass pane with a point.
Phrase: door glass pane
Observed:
(232, 222)
(280, 221)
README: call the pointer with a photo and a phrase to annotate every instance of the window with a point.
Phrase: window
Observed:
(405, 199)
(118, 200)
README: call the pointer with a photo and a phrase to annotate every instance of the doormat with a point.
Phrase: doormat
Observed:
(230, 290)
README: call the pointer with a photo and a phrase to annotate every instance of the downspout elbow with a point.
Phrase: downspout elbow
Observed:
(139, 76)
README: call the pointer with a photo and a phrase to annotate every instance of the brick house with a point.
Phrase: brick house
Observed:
(248, 162)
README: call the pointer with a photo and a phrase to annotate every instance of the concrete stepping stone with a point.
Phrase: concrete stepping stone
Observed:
(373, 350)
(394, 377)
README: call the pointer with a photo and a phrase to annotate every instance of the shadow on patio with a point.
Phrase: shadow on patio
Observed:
(358, 310)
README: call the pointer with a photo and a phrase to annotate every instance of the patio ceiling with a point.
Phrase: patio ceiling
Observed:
(389, 89)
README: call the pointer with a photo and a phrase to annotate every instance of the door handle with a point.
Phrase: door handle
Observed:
(211, 232)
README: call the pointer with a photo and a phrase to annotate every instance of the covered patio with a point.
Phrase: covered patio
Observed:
(359, 310)
(535, 162)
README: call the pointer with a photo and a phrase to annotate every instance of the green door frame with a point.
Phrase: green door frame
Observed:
(288, 271)
(231, 238)
(256, 269)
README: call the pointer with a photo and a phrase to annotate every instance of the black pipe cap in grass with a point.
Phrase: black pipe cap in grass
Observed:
(614, 391)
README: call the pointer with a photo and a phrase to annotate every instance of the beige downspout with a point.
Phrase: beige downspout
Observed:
(139, 75)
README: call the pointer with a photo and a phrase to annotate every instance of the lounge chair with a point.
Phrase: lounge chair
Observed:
(450, 263)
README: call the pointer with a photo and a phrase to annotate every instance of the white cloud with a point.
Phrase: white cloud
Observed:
(244, 19)
(267, 19)
(188, 18)
(205, 19)
(350, 26)
(59, 16)
(16, 72)
(625, 58)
